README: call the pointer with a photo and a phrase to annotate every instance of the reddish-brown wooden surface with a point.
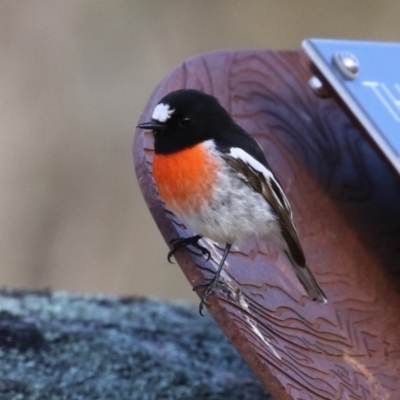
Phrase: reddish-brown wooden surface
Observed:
(346, 207)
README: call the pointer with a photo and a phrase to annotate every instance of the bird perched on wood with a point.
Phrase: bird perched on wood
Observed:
(215, 178)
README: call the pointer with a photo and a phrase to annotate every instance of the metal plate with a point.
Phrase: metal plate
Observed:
(373, 94)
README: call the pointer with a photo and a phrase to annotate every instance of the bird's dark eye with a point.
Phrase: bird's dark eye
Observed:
(184, 122)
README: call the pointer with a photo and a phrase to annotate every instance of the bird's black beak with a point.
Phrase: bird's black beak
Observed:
(152, 125)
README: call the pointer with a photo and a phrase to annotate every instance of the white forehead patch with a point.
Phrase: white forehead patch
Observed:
(162, 112)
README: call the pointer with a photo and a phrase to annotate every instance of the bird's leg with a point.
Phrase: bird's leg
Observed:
(177, 243)
(214, 281)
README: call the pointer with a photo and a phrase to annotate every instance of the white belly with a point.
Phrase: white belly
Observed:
(235, 213)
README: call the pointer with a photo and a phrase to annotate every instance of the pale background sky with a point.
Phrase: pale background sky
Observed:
(74, 77)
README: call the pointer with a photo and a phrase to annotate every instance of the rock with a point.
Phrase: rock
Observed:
(62, 346)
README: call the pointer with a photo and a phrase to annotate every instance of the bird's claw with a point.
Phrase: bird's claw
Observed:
(177, 243)
(203, 301)
(193, 241)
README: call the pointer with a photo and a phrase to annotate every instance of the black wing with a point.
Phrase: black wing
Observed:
(246, 157)
(266, 184)
(261, 180)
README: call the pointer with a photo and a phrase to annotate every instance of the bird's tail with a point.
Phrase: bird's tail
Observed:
(309, 283)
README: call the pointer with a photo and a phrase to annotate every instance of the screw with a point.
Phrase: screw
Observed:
(347, 64)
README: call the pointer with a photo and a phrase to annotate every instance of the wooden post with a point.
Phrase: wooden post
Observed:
(346, 205)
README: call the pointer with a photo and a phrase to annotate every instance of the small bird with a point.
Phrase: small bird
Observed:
(215, 178)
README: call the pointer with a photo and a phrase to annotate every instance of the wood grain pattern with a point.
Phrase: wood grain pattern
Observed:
(346, 205)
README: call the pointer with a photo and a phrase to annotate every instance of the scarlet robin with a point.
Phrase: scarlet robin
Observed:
(215, 178)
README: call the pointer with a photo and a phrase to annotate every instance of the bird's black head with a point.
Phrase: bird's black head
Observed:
(185, 118)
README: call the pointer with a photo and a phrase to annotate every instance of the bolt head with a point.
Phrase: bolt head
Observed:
(347, 64)
(318, 87)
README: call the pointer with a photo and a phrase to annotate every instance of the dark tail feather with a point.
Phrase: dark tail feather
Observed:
(309, 283)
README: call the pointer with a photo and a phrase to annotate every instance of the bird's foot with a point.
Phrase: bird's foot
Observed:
(210, 286)
(177, 243)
